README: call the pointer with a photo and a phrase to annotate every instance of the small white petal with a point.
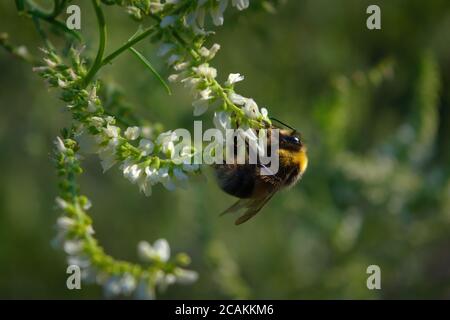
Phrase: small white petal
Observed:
(61, 203)
(73, 247)
(237, 98)
(144, 291)
(240, 4)
(264, 112)
(200, 107)
(65, 223)
(185, 276)
(162, 248)
(146, 146)
(60, 145)
(132, 133)
(222, 120)
(233, 78)
(128, 284)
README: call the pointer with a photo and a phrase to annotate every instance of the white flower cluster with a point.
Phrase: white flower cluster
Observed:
(196, 18)
(126, 283)
(160, 252)
(142, 165)
(201, 81)
(192, 67)
(196, 12)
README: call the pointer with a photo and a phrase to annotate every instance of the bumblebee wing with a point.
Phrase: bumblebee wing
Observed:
(238, 205)
(254, 207)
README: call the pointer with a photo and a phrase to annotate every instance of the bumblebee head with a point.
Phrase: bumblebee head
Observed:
(291, 140)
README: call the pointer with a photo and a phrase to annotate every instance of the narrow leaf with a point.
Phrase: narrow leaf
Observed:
(150, 67)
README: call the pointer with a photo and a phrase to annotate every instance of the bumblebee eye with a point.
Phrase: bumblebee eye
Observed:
(292, 140)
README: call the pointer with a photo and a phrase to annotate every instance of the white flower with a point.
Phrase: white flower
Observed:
(233, 78)
(205, 94)
(112, 287)
(108, 154)
(166, 141)
(151, 175)
(146, 146)
(132, 133)
(145, 187)
(173, 77)
(160, 250)
(237, 98)
(50, 63)
(200, 107)
(247, 133)
(165, 178)
(196, 18)
(240, 4)
(217, 12)
(131, 171)
(60, 145)
(136, 175)
(92, 100)
(80, 261)
(144, 291)
(204, 70)
(222, 120)
(264, 113)
(110, 120)
(191, 83)
(251, 109)
(40, 69)
(73, 247)
(155, 7)
(72, 74)
(163, 280)
(209, 53)
(213, 50)
(128, 284)
(111, 131)
(181, 66)
(87, 205)
(182, 153)
(97, 122)
(65, 223)
(184, 276)
(62, 84)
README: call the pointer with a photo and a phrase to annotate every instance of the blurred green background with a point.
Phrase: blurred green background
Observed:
(373, 107)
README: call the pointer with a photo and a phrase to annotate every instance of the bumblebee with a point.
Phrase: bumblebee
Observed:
(246, 182)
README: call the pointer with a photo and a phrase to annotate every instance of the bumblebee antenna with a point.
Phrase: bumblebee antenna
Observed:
(282, 123)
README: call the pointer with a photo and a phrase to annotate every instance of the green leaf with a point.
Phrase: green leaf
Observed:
(150, 67)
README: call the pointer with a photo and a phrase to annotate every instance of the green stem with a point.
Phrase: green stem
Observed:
(108, 59)
(101, 49)
(34, 10)
(128, 45)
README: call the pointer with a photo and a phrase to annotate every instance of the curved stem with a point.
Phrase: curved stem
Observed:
(30, 8)
(101, 49)
(98, 64)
